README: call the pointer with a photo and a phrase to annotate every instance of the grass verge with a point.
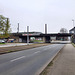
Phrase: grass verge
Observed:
(45, 71)
(73, 44)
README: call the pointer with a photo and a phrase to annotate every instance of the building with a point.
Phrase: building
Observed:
(72, 30)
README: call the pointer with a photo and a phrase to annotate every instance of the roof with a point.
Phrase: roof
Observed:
(72, 29)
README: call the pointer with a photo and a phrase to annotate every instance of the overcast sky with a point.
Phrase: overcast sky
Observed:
(35, 13)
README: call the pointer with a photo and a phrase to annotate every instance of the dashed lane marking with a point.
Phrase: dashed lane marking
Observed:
(17, 58)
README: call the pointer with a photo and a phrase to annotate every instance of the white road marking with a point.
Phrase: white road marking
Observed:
(30, 55)
(37, 52)
(17, 58)
(49, 48)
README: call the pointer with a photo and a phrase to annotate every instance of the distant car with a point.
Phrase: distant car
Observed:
(2, 41)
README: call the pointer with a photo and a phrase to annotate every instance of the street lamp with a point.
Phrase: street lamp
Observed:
(73, 22)
(73, 25)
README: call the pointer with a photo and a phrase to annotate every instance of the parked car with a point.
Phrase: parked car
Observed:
(2, 41)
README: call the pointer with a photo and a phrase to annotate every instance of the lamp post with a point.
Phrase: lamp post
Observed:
(73, 22)
(73, 25)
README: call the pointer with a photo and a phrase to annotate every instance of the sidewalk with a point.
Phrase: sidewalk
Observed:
(64, 63)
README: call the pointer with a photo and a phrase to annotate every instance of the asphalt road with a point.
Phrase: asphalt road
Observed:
(27, 62)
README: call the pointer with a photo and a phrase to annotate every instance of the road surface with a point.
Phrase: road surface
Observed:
(27, 62)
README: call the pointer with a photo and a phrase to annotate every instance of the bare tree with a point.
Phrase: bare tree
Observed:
(63, 30)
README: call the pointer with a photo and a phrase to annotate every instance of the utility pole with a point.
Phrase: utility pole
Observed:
(27, 35)
(18, 28)
(7, 20)
(0, 21)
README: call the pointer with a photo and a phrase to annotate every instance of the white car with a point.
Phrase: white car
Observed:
(2, 41)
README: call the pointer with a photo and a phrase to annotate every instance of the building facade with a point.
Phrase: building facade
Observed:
(72, 31)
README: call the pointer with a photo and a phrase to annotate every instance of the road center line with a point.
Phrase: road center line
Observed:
(17, 58)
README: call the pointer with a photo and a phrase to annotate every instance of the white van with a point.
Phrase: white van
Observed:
(2, 41)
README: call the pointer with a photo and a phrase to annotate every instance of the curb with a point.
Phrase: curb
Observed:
(42, 69)
(73, 44)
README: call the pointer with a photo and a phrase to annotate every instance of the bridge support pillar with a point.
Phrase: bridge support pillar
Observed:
(47, 39)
